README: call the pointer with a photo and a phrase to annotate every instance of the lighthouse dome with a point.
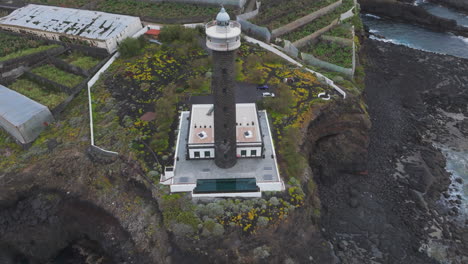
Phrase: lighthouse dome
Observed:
(223, 18)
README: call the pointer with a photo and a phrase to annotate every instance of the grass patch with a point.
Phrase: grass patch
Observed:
(38, 93)
(341, 31)
(25, 52)
(319, 23)
(11, 43)
(333, 53)
(55, 74)
(79, 60)
(274, 14)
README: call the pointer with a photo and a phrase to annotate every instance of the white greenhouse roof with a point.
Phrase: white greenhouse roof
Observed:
(16, 108)
(77, 22)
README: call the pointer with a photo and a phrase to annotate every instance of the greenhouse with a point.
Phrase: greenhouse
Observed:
(21, 117)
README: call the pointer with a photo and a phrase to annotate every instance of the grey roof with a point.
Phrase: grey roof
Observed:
(16, 108)
(84, 23)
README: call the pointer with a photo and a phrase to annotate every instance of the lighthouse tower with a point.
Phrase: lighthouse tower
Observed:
(223, 38)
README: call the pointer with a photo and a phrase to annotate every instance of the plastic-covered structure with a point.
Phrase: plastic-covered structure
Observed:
(23, 118)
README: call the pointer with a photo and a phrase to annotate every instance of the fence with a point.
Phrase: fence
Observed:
(305, 20)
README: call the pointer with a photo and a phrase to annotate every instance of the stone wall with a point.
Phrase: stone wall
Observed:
(47, 83)
(305, 20)
(68, 67)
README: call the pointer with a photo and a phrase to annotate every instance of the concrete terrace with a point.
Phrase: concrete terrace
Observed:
(265, 170)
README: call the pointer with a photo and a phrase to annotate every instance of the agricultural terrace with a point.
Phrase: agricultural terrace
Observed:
(13, 46)
(276, 13)
(57, 75)
(80, 60)
(318, 23)
(332, 52)
(38, 93)
(160, 10)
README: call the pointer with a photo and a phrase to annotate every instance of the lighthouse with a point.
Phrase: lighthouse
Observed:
(223, 38)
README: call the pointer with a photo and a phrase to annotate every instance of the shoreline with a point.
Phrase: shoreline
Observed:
(396, 217)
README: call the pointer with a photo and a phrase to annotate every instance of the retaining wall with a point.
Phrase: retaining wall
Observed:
(47, 83)
(311, 60)
(313, 37)
(338, 40)
(68, 67)
(255, 31)
(251, 14)
(305, 20)
(290, 49)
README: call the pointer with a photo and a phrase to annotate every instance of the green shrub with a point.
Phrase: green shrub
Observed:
(130, 47)
(295, 162)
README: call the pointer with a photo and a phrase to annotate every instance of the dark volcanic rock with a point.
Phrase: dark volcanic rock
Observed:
(406, 174)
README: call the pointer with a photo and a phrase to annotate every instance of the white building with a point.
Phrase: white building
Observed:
(200, 143)
(98, 29)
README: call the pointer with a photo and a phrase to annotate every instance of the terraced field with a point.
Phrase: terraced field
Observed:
(80, 60)
(12, 46)
(57, 75)
(38, 93)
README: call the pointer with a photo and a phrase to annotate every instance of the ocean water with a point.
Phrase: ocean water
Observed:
(416, 37)
(450, 13)
(457, 165)
(444, 43)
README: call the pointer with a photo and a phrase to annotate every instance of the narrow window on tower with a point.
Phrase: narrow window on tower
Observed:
(224, 90)
(224, 70)
(225, 109)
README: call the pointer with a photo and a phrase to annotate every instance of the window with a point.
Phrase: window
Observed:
(197, 154)
(224, 71)
(225, 109)
(207, 154)
(253, 153)
(243, 153)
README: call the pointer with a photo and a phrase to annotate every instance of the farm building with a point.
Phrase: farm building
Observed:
(98, 29)
(21, 117)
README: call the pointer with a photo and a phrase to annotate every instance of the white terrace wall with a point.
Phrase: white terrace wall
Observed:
(251, 14)
(239, 3)
(305, 20)
(253, 30)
